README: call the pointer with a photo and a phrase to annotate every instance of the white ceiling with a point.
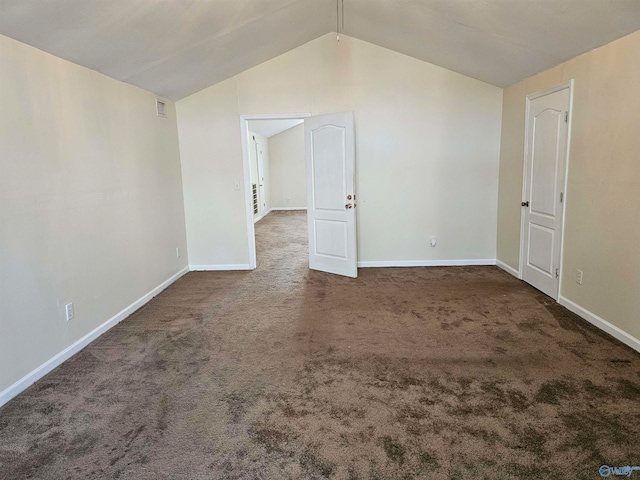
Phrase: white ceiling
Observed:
(269, 128)
(177, 47)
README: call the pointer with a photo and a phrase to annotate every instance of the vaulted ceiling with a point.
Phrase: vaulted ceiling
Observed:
(177, 47)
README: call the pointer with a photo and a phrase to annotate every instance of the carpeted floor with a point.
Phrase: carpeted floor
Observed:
(282, 372)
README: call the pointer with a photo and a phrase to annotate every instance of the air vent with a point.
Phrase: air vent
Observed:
(161, 108)
(254, 189)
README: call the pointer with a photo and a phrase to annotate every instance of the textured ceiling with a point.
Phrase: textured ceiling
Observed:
(177, 47)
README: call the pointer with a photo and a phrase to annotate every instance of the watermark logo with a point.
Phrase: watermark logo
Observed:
(606, 470)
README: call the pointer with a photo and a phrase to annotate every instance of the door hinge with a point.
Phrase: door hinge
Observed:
(561, 197)
(566, 117)
(557, 273)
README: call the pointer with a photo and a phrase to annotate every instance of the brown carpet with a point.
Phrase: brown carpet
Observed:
(283, 372)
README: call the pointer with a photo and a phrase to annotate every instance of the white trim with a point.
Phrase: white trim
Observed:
(55, 361)
(567, 159)
(541, 93)
(427, 263)
(279, 209)
(260, 217)
(246, 168)
(508, 269)
(601, 323)
(248, 192)
(549, 90)
(220, 267)
(524, 185)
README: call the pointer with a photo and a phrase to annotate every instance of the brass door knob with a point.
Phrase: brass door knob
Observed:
(525, 204)
(348, 205)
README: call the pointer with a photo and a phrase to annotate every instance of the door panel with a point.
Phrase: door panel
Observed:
(331, 238)
(545, 158)
(541, 249)
(329, 168)
(547, 140)
(330, 156)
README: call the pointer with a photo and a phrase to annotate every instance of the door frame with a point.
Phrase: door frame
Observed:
(246, 169)
(532, 96)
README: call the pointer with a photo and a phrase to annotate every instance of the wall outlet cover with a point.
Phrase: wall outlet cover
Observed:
(68, 310)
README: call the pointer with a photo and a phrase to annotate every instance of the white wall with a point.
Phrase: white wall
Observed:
(91, 208)
(427, 150)
(288, 169)
(602, 223)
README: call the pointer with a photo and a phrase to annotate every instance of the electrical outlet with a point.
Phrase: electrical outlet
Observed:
(579, 275)
(177, 252)
(68, 309)
(432, 242)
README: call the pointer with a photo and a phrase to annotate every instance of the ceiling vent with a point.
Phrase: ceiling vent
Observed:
(161, 108)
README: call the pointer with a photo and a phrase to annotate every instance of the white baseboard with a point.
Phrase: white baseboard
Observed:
(278, 209)
(257, 219)
(508, 269)
(601, 323)
(427, 263)
(35, 375)
(208, 268)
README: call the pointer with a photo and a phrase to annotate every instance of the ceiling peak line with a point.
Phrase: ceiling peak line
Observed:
(339, 18)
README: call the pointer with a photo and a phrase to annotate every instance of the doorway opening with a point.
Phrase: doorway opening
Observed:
(274, 173)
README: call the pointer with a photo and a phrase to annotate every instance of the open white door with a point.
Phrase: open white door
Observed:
(547, 140)
(330, 156)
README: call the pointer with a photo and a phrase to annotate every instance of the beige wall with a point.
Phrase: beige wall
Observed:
(288, 171)
(602, 223)
(91, 207)
(427, 150)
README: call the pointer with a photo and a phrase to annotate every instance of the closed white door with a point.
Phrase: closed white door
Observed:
(546, 156)
(261, 187)
(331, 203)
